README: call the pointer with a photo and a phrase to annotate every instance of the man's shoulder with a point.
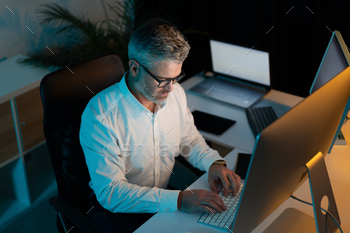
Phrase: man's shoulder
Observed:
(104, 100)
(178, 90)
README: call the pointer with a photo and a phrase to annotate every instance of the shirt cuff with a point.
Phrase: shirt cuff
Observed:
(168, 201)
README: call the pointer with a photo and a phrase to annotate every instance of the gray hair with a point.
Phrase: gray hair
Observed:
(158, 40)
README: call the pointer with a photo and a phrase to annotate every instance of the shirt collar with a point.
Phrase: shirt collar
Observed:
(123, 87)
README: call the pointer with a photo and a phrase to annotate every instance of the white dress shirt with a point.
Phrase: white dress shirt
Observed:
(130, 152)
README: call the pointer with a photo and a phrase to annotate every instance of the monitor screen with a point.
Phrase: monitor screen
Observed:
(248, 64)
(277, 167)
(335, 60)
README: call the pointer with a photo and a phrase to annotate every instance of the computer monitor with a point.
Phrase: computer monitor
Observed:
(335, 60)
(282, 150)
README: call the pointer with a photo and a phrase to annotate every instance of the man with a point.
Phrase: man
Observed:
(132, 131)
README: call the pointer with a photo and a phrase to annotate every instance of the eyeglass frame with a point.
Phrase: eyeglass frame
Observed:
(178, 78)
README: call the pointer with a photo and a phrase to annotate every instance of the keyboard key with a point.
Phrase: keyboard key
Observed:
(260, 118)
(224, 219)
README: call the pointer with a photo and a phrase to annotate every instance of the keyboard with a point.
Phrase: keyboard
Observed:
(223, 220)
(229, 92)
(236, 90)
(260, 118)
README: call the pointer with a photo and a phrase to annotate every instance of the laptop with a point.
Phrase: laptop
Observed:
(241, 75)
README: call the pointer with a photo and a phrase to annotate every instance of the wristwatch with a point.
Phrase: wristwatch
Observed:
(220, 162)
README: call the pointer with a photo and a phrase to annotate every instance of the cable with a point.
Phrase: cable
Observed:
(308, 203)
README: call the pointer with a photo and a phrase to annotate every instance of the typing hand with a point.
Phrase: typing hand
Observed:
(199, 199)
(229, 179)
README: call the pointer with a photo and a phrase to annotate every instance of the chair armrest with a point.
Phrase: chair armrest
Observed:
(78, 219)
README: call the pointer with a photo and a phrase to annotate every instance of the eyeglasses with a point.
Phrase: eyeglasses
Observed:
(163, 83)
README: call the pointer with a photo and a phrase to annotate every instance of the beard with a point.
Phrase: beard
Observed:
(147, 92)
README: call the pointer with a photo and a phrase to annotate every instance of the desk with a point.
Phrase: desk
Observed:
(239, 135)
(241, 138)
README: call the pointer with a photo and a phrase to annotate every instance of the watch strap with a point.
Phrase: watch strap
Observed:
(220, 162)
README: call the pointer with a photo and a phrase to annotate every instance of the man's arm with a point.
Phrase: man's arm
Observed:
(192, 144)
(200, 155)
(107, 168)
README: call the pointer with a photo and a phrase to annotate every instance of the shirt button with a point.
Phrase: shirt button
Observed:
(156, 175)
(157, 157)
(156, 139)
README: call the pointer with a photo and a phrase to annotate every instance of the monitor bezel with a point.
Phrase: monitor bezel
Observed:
(336, 35)
(341, 44)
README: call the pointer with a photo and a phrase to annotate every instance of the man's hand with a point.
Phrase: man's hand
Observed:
(220, 173)
(199, 199)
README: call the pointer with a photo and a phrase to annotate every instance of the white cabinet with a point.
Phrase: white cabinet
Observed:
(26, 175)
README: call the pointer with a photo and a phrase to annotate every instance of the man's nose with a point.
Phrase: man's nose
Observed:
(169, 87)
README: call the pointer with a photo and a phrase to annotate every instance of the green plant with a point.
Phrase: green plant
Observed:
(86, 39)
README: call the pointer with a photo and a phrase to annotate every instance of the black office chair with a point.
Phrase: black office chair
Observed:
(65, 94)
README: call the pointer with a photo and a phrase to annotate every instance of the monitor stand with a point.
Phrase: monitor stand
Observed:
(292, 220)
(340, 140)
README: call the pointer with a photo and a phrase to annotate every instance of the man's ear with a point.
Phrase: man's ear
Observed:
(134, 68)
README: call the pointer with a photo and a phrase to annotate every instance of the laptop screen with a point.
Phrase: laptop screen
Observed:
(240, 62)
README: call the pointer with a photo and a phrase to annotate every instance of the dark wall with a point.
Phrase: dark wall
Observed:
(296, 34)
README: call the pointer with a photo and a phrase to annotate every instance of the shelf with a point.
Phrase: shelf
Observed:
(30, 116)
(41, 177)
(17, 79)
(8, 140)
(27, 152)
(14, 198)
(26, 174)
(10, 160)
(10, 207)
(26, 186)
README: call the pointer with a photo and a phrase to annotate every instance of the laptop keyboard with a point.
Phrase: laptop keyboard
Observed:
(224, 219)
(260, 118)
(236, 90)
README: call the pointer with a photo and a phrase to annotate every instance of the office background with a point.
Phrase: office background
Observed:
(296, 33)
(15, 15)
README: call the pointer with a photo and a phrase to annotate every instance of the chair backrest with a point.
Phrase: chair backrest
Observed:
(65, 94)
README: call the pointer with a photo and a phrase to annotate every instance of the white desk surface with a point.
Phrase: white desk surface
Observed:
(237, 136)
(338, 165)
(16, 79)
